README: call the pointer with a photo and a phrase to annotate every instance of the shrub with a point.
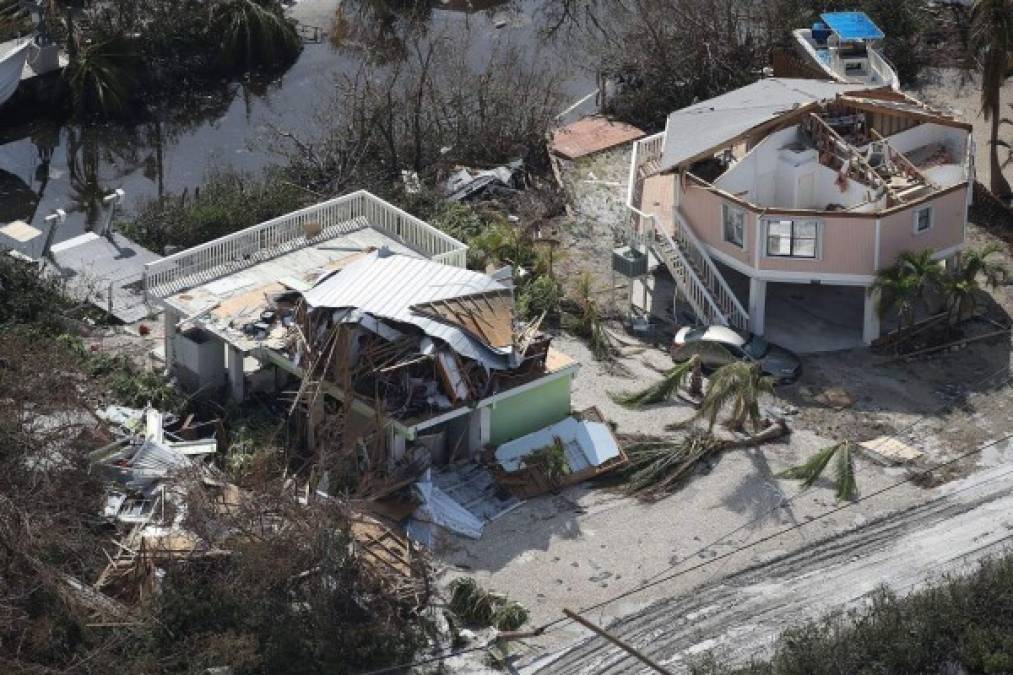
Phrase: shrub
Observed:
(541, 294)
(479, 607)
(228, 201)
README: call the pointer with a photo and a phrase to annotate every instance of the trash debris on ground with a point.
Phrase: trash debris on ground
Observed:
(890, 450)
(468, 183)
(568, 452)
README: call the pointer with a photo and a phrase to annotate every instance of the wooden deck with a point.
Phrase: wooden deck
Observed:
(658, 199)
(105, 271)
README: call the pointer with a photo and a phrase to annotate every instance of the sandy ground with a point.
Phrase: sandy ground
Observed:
(596, 190)
(739, 617)
(589, 543)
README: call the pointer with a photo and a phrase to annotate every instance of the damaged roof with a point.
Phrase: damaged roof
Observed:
(391, 286)
(703, 126)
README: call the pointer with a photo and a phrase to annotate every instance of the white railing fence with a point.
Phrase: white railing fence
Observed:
(292, 231)
(712, 278)
(696, 292)
(711, 298)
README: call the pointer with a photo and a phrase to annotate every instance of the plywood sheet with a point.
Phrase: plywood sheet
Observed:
(487, 316)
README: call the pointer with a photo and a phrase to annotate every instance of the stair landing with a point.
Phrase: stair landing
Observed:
(658, 199)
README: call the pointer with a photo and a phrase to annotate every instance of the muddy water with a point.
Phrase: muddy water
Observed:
(50, 164)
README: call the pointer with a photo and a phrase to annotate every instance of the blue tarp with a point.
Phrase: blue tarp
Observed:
(851, 26)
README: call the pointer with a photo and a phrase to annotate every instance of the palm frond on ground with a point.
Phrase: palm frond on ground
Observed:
(657, 466)
(663, 389)
(737, 385)
(844, 469)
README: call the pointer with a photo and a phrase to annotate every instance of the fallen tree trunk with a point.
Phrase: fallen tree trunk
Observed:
(663, 463)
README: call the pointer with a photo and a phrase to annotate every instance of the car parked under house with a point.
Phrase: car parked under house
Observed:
(774, 206)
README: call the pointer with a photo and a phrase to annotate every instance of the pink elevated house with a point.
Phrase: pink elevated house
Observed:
(787, 196)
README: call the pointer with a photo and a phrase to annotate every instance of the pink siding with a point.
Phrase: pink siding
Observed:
(848, 247)
(948, 217)
(702, 208)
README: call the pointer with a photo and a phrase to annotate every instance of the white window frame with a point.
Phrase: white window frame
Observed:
(932, 219)
(817, 248)
(727, 210)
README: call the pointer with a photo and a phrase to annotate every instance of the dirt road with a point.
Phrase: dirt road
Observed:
(741, 616)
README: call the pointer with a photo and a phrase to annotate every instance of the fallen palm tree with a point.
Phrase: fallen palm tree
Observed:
(844, 469)
(657, 465)
(665, 388)
(479, 607)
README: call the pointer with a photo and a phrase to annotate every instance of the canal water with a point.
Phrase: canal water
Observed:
(48, 164)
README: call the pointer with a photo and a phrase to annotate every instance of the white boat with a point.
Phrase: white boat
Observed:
(845, 46)
(13, 55)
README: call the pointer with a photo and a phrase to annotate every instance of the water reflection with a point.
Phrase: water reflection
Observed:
(56, 163)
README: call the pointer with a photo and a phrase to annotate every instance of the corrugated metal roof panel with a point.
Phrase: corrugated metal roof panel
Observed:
(386, 285)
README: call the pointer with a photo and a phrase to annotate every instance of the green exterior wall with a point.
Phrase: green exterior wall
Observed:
(529, 410)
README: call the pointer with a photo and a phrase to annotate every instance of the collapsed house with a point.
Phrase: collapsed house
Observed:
(366, 316)
(774, 206)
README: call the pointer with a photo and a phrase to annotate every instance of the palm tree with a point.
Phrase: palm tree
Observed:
(962, 289)
(908, 284)
(991, 41)
(844, 479)
(976, 261)
(254, 33)
(663, 390)
(739, 384)
(100, 76)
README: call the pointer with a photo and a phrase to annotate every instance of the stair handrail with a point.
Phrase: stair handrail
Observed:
(711, 268)
(716, 313)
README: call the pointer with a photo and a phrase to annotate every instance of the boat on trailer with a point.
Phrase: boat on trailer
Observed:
(845, 46)
(13, 56)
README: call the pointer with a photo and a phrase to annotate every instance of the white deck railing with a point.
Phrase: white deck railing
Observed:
(711, 298)
(289, 232)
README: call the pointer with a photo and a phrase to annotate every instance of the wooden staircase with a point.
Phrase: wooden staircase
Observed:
(695, 274)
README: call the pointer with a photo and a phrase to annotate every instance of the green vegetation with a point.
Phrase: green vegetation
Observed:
(960, 624)
(550, 460)
(254, 33)
(666, 387)
(227, 202)
(584, 319)
(738, 384)
(918, 282)
(102, 75)
(125, 383)
(962, 290)
(126, 51)
(844, 468)
(478, 607)
(27, 297)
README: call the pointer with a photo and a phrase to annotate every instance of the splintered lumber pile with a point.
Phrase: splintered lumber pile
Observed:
(391, 560)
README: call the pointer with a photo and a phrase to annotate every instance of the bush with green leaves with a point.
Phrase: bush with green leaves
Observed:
(960, 624)
(481, 608)
(226, 202)
(125, 383)
(541, 295)
(29, 297)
